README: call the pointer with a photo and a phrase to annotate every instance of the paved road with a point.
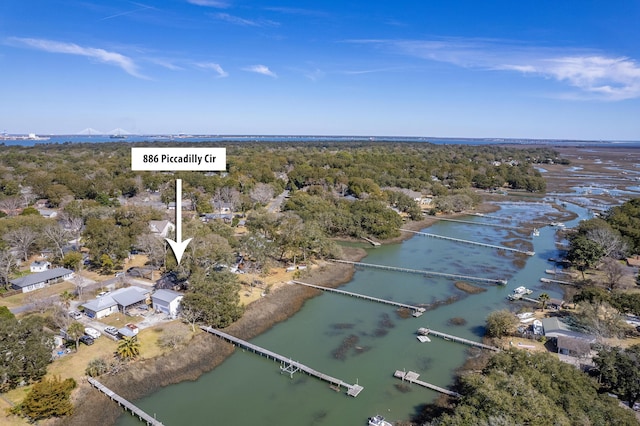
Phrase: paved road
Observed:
(274, 206)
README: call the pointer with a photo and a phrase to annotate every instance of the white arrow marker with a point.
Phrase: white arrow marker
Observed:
(178, 246)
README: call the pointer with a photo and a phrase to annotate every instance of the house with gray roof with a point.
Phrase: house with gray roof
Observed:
(42, 279)
(554, 328)
(166, 301)
(117, 301)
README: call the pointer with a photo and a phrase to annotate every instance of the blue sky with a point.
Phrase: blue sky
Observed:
(522, 69)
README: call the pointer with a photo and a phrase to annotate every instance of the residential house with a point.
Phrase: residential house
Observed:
(117, 301)
(571, 346)
(161, 228)
(41, 279)
(166, 301)
(47, 213)
(39, 266)
(554, 328)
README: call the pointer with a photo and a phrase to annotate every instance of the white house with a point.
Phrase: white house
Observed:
(41, 279)
(166, 301)
(161, 228)
(39, 266)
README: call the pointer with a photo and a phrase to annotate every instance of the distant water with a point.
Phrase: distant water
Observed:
(60, 139)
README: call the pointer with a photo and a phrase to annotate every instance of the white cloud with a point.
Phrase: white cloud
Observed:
(235, 20)
(215, 67)
(112, 58)
(595, 75)
(210, 3)
(261, 69)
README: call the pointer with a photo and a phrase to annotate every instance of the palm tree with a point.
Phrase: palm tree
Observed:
(66, 297)
(128, 348)
(544, 298)
(75, 331)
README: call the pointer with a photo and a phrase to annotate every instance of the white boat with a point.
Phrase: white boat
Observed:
(522, 290)
(557, 224)
(423, 339)
(524, 315)
(378, 421)
(536, 232)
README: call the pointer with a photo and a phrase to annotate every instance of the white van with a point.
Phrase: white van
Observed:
(92, 332)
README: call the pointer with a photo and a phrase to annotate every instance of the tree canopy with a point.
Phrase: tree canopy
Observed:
(520, 387)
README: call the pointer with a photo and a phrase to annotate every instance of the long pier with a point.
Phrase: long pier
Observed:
(549, 280)
(470, 222)
(417, 311)
(286, 364)
(476, 243)
(412, 377)
(430, 332)
(124, 403)
(423, 272)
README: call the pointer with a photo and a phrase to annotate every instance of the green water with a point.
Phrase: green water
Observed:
(250, 390)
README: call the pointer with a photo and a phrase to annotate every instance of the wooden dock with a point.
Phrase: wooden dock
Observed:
(417, 311)
(425, 234)
(513, 297)
(149, 420)
(549, 280)
(423, 272)
(470, 222)
(430, 332)
(286, 364)
(560, 272)
(412, 377)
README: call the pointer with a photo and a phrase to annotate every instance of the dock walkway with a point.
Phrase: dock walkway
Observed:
(286, 364)
(427, 331)
(549, 280)
(423, 272)
(124, 403)
(412, 377)
(425, 234)
(417, 311)
(470, 222)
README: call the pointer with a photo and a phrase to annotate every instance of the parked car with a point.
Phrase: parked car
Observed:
(75, 315)
(103, 293)
(87, 340)
(111, 330)
(92, 332)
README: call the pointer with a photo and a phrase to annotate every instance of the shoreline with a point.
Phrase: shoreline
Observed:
(203, 353)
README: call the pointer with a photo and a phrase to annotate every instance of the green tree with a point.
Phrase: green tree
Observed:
(30, 347)
(620, 371)
(128, 348)
(500, 323)
(47, 398)
(72, 260)
(532, 388)
(584, 253)
(75, 331)
(215, 298)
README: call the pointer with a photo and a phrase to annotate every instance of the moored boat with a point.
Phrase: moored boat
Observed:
(378, 421)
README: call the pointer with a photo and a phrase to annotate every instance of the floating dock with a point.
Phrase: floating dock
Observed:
(149, 420)
(425, 234)
(417, 311)
(412, 377)
(423, 272)
(430, 332)
(286, 364)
